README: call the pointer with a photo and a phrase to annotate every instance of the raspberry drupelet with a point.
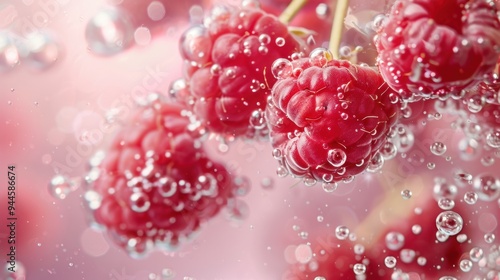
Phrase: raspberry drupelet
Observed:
(155, 185)
(328, 118)
(436, 49)
(227, 65)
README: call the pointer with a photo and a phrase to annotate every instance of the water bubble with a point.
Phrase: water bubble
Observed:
(280, 41)
(443, 189)
(487, 161)
(378, 22)
(281, 68)
(156, 11)
(238, 209)
(215, 69)
(388, 150)
(9, 54)
(142, 36)
(441, 237)
(446, 203)
(242, 185)
(320, 57)
(475, 103)
(139, 247)
(394, 240)
(109, 32)
(309, 181)
(257, 119)
(319, 278)
(43, 49)
(476, 254)
(60, 186)
(281, 171)
(461, 238)
(489, 238)
(93, 199)
(342, 232)
(469, 148)
(329, 187)
(390, 261)
(487, 187)
(493, 139)
(376, 163)
(267, 183)
(139, 202)
(336, 157)
(319, 218)
(466, 265)
(322, 11)
(359, 249)
(399, 275)
(470, 197)
(447, 278)
(277, 154)
(421, 261)
(449, 222)
(407, 255)
(303, 253)
(438, 148)
(416, 229)
(406, 194)
(359, 269)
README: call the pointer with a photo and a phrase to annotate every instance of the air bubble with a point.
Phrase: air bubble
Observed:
(215, 70)
(320, 57)
(9, 54)
(489, 238)
(43, 49)
(421, 261)
(487, 187)
(416, 229)
(60, 186)
(319, 278)
(359, 249)
(493, 139)
(280, 41)
(230, 73)
(390, 261)
(264, 39)
(447, 278)
(378, 22)
(267, 183)
(322, 11)
(242, 185)
(329, 187)
(406, 194)
(446, 203)
(257, 119)
(470, 197)
(359, 269)
(388, 150)
(438, 148)
(109, 32)
(461, 238)
(156, 11)
(309, 181)
(342, 232)
(394, 240)
(376, 163)
(487, 161)
(441, 237)
(336, 157)
(443, 189)
(476, 254)
(139, 202)
(466, 265)
(281, 68)
(281, 171)
(475, 103)
(449, 223)
(407, 255)
(237, 209)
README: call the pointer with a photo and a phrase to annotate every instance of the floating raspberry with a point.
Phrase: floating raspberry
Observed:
(328, 118)
(156, 185)
(227, 65)
(424, 51)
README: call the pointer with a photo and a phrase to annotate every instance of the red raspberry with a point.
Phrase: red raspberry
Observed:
(328, 118)
(424, 51)
(156, 184)
(227, 65)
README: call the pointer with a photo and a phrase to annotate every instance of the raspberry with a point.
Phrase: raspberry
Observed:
(425, 52)
(328, 118)
(227, 65)
(156, 185)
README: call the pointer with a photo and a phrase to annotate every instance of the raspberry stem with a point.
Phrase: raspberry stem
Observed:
(291, 10)
(337, 26)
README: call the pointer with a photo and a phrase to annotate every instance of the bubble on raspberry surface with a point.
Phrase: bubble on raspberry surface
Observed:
(109, 32)
(281, 68)
(449, 223)
(390, 261)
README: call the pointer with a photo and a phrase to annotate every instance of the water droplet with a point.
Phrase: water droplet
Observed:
(470, 197)
(257, 119)
(446, 203)
(441, 237)
(281, 171)
(388, 150)
(394, 240)
(329, 187)
(461, 238)
(438, 148)
(139, 202)
(493, 139)
(376, 163)
(476, 254)
(336, 157)
(109, 32)
(281, 68)
(277, 153)
(390, 261)
(449, 222)
(416, 229)
(309, 181)
(489, 238)
(320, 57)
(359, 269)
(406, 194)
(320, 218)
(443, 189)
(487, 187)
(342, 232)
(407, 255)
(466, 265)
(60, 186)
(216, 70)
(267, 183)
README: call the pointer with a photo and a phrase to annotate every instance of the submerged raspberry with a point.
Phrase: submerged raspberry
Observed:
(227, 65)
(424, 51)
(329, 118)
(155, 185)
